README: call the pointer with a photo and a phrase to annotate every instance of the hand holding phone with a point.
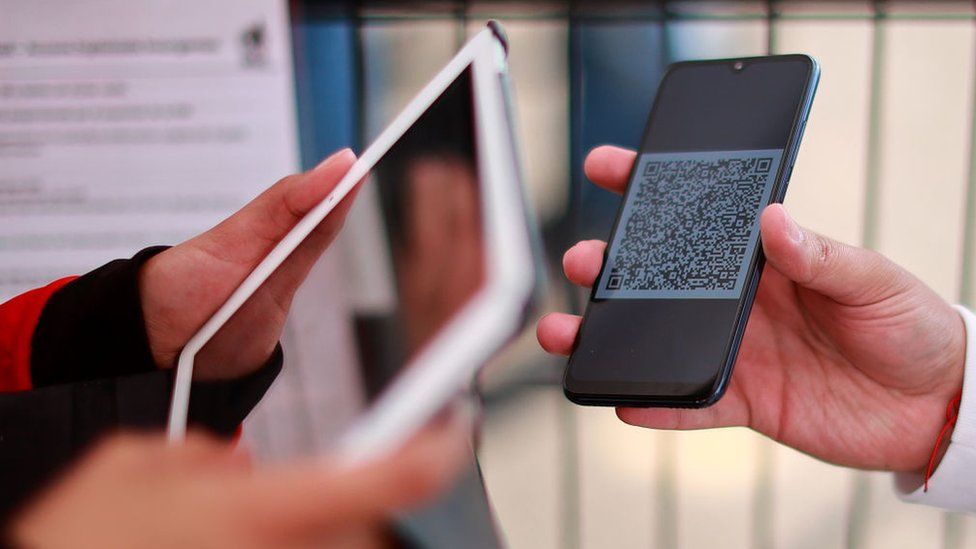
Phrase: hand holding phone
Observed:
(847, 357)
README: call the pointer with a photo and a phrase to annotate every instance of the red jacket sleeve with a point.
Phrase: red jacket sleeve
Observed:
(18, 318)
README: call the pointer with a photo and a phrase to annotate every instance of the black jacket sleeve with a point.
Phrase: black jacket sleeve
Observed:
(93, 327)
(93, 372)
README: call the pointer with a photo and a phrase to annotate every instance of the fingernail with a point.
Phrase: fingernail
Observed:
(793, 229)
(334, 156)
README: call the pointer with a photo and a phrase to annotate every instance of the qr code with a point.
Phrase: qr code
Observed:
(689, 224)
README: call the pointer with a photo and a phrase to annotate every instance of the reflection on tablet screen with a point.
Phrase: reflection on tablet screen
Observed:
(427, 190)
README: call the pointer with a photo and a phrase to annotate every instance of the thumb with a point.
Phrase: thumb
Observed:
(252, 231)
(844, 273)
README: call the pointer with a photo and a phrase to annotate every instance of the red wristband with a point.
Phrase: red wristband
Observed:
(952, 413)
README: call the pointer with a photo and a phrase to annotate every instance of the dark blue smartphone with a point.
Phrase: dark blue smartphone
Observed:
(671, 302)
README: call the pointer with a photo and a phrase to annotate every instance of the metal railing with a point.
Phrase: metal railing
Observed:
(608, 39)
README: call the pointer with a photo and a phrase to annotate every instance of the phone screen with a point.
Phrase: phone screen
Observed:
(684, 253)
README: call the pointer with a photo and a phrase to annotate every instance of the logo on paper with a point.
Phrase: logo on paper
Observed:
(254, 41)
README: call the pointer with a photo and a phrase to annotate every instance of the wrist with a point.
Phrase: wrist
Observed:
(955, 354)
(951, 395)
(179, 291)
(147, 280)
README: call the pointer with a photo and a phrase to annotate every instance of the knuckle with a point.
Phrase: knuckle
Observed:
(824, 253)
(826, 250)
(288, 180)
(279, 207)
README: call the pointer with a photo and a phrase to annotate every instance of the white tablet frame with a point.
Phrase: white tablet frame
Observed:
(483, 326)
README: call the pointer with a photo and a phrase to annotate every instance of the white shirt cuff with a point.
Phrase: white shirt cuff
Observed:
(953, 483)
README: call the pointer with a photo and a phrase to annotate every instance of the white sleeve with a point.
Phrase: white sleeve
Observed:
(953, 483)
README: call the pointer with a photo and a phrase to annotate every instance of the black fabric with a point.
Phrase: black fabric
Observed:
(93, 373)
(43, 430)
(221, 406)
(93, 327)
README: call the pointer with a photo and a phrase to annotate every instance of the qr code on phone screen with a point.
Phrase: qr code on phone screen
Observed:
(689, 225)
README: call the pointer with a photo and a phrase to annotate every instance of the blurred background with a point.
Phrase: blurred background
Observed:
(887, 162)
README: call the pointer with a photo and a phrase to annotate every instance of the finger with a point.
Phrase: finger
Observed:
(125, 448)
(248, 235)
(295, 269)
(428, 463)
(314, 498)
(318, 182)
(218, 260)
(582, 262)
(846, 274)
(202, 451)
(556, 333)
(731, 411)
(609, 167)
(302, 195)
(152, 451)
(286, 203)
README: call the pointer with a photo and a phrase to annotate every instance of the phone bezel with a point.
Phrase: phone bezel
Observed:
(639, 394)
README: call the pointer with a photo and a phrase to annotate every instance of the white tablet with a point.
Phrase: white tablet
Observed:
(460, 243)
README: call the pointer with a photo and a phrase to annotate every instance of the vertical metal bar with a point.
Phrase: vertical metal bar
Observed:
(859, 508)
(569, 504)
(763, 498)
(953, 524)
(954, 531)
(303, 95)
(858, 511)
(569, 508)
(772, 20)
(356, 18)
(667, 490)
(966, 292)
(461, 18)
(666, 16)
(667, 468)
(574, 51)
(869, 235)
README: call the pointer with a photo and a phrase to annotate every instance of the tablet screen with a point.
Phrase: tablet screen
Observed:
(427, 254)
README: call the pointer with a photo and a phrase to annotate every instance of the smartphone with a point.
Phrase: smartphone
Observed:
(669, 307)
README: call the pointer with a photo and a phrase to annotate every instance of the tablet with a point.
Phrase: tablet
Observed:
(459, 240)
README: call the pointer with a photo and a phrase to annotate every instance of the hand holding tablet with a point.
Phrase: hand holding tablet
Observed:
(448, 179)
